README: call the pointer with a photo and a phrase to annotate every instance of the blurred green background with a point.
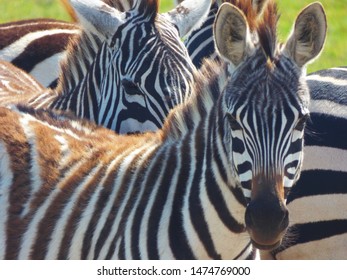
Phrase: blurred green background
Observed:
(334, 54)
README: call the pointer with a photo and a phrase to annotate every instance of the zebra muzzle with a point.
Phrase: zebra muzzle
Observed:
(267, 216)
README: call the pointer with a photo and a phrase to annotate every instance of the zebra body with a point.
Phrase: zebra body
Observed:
(126, 70)
(37, 46)
(317, 203)
(117, 196)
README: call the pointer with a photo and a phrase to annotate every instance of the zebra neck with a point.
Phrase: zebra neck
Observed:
(213, 208)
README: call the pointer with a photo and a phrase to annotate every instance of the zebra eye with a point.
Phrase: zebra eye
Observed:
(301, 123)
(234, 124)
(131, 88)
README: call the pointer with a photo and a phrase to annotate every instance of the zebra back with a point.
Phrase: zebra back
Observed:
(16, 86)
(37, 46)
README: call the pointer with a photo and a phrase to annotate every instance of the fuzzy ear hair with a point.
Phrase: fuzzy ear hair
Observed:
(308, 36)
(189, 15)
(231, 34)
(96, 16)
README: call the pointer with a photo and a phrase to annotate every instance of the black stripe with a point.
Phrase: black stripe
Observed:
(41, 49)
(159, 205)
(178, 239)
(304, 233)
(121, 193)
(195, 206)
(318, 182)
(326, 130)
(23, 27)
(147, 187)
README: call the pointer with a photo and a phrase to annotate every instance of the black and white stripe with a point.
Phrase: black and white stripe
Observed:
(37, 46)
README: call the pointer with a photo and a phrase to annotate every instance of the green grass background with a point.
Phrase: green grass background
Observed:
(334, 54)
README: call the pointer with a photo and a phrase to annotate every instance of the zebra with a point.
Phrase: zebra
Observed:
(200, 42)
(93, 194)
(18, 82)
(37, 46)
(127, 69)
(317, 203)
(314, 238)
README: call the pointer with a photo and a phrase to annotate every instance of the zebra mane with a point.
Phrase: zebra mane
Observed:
(267, 30)
(81, 51)
(208, 83)
(251, 9)
(149, 8)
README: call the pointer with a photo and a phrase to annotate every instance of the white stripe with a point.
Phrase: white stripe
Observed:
(60, 226)
(331, 80)
(16, 48)
(35, 170)
(339, 69)
(328, 107)
(46, 23)
(6, 178)
(247, 176)
(165, 252)
(324, 158)
(317, 208)
(41, 73)
(131, 215)
(145, 150)
(148, 208)
(332, 248)
(31, 235)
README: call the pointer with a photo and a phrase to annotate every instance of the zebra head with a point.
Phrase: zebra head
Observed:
(147, 68)
(265, 106)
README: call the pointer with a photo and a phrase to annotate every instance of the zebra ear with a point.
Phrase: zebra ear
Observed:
(308, 36)
(98, 17)
(189, 15)
(231, 34)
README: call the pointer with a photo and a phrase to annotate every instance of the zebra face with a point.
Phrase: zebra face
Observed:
(265, 109)
(265, 116)
(266, 113)
(149, 66)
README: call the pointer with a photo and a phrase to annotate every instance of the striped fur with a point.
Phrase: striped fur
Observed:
(200, 42)
(125, 72)
(37, 46)
(92, 194)
(17, 82)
